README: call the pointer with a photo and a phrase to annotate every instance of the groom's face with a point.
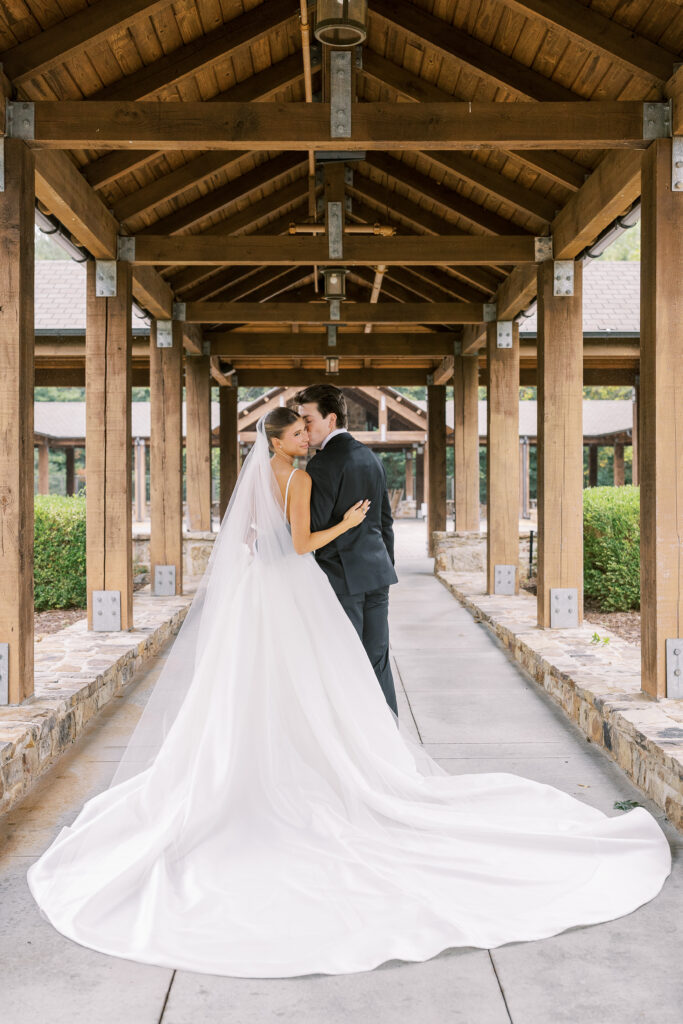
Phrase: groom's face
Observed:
(318, 427)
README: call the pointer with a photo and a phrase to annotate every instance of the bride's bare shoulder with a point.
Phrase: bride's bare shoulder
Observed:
(301, 480)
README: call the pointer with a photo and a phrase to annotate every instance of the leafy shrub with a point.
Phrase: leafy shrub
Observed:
(611, 547)
(59, 553)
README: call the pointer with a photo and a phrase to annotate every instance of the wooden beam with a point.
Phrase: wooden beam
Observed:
(466, 443)
(70, 38)
(166, 455)
(502, 460)
(160, 250)
(319, 313)
(303, 346)
(81, 124)
(661, 418)
(198, 442)
(468, 52)
(560, 441)
(586, 26)
(403, 83)
(673, 90)
(396, 403)
(266, 376)
(17, 208)
(436, 442)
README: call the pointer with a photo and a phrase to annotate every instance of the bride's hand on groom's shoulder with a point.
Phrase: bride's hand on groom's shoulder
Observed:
(355, 515)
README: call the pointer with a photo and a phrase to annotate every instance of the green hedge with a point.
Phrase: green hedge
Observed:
(611, 547)
(59, 554)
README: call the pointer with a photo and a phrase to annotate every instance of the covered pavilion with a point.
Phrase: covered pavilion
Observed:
(286, 213)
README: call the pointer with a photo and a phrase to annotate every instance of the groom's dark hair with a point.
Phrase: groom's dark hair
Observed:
(327, 398)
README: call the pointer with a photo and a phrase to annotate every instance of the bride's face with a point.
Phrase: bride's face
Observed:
(294, 441)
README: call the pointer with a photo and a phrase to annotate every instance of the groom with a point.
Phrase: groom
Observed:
(360, 563)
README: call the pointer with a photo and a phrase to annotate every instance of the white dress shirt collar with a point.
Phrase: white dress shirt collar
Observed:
(333, 433)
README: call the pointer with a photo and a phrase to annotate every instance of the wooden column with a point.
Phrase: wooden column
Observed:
(108, 443)
(70, 475)
(436, 440)
(382, 417)
(140, 479)
(166, 453)
(524, 478)
(229, 447)
(43, 469)
(502, 464)
(419, 477)
(661, 417)
(198, 442)
(560, 440)
(466, 442)
(592, 465)
(410, 487)
(618, 464)
(635, 432)
(16, 418)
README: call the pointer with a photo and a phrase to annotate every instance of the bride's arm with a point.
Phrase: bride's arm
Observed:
(300, 517)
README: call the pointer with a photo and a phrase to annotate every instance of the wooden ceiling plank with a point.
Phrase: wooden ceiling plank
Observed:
(588, 27)
(70, 38)
(85, 124)
(157, 250)
(469, 52)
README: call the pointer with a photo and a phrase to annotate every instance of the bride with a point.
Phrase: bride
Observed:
(269, 819)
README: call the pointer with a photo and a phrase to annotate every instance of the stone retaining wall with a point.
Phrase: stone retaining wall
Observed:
(197, 548)
(597, 687)
(76, 674)
(465, 551)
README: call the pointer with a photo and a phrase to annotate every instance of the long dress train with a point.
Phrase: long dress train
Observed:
(275, 822)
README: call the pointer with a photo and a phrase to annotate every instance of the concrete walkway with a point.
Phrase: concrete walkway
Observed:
(476, 712)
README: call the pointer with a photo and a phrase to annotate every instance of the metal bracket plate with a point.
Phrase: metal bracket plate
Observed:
(490, 312)
(674, 668)
(164, 334)
(504, 578)
(348, 175)
(335, 221)
(677, 163)
(543, 248)
(331, 336)
(179, 311)
(348, 204)
(125, 248)
(4, 673)
(164, 580)
(105, 279)
(21, 120)
(657, 120)
(106, 610)
(504, 334)
(335, 309)
(564, 607)
(340, 94)
(563, 277)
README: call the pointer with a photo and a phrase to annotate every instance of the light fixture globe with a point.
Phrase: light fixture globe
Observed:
(335, 283)
(341, 23)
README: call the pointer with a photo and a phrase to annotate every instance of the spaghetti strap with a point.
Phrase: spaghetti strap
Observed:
(284, 514)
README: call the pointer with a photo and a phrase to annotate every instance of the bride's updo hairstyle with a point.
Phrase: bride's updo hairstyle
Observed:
(277, 421)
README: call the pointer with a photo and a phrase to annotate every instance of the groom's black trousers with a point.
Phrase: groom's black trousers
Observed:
(369, 614)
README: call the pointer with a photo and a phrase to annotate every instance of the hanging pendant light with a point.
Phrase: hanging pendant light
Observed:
(341, 22)
(335, 283)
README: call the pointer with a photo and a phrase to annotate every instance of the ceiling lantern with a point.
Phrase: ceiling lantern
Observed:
(341, 22)
(335, 283)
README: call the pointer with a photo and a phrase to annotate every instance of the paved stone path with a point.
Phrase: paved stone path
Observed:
(475, 711)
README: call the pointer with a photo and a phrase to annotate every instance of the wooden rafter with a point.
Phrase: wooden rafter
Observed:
(319, 312)
(257, 346)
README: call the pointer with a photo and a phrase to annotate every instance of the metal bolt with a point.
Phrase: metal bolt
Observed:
(340, 127)
(677, 671)
(678, 184)
(677, 650)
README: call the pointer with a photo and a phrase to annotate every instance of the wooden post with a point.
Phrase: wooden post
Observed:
(43, 469)
(166, 453)
(108, 444)
(502, 464)
(592, 465)
(140, 479)
(661, 417)
(419, 477)
(618, 464)
(436, 440)
(635, 433)
(70, 476)
(382, 417)
(560, 440)
(524, 478)
(466, 442)
(16, 417)
(198, 442)
(410, 492)
(229, 447)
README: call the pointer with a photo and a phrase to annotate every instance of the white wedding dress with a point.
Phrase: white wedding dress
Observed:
(269, 819)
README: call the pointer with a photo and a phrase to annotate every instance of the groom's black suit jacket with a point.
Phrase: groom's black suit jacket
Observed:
(362, 559)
